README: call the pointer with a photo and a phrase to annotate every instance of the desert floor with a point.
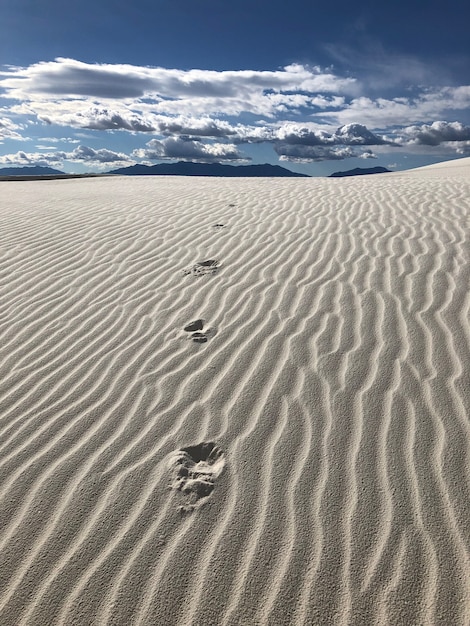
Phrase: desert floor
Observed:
(235, 401)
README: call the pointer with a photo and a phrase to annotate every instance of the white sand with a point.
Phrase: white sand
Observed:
(329, 387)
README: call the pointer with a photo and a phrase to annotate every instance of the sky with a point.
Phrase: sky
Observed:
(315, 87)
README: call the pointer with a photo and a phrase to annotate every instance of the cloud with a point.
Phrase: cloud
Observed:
(195, 127)
(401, 111)
(436, 133)
(102, 156)
(8, 130)
(348, 135)
(32, 158)
(82, 154)
(188, 150)
(368, 154)
(212, 91)
(307, 154)
(96, 118)
(300, 143)
(304, 112)
(463, 148)
(358, 135)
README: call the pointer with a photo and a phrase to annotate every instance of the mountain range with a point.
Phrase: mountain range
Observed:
(30, 171)
(359, 171)
(185, 168)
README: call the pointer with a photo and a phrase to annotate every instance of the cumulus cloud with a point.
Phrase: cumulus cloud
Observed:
(304, 112)
(307, 154)
(188, 150)
(81, 154)
(300, 143)
(358, 135)
(96, 118)
(347, 135)
(368, 154)
(195, 127)
(436, 133)
(101, 156)
(31, 158)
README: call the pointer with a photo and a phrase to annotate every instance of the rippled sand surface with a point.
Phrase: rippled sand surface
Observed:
(235, 401)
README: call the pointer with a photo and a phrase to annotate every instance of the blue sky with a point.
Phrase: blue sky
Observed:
(315, 87)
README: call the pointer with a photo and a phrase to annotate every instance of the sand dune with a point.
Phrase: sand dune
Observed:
(235, 402)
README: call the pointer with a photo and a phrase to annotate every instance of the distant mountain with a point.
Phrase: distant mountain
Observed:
(29, 171)
(359, 171)
(184, 168)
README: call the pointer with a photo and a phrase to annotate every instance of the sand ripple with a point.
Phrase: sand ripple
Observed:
(299, 454)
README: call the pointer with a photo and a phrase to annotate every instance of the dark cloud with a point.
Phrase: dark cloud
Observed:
(303, 144)
(205, 127)
(109, 120)
(302, 136)
(303, 154)
(100, 119)
(188, 150)
(68, 77)
(86, 154)
(347, 135)
(436, 133)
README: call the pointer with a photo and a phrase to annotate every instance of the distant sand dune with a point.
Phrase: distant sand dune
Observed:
(236, 402)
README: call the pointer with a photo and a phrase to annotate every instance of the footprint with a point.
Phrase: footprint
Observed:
(202, 268)
(195, 470)
(218, 226)
(199, 337)
(195, 328)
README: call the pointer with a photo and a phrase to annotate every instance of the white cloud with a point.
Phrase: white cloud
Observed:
(400, 111)
(32, 158)
(357, 135)
(82, 154)
(463, 148)
(211, 91)
(368, 154)
(8, 130)
(197, 114)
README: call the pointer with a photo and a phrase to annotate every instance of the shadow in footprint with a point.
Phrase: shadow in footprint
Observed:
(199, 337)
(194, 326)
(195, 469)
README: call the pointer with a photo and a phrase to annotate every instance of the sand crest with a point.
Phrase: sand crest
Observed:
(235, 401)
